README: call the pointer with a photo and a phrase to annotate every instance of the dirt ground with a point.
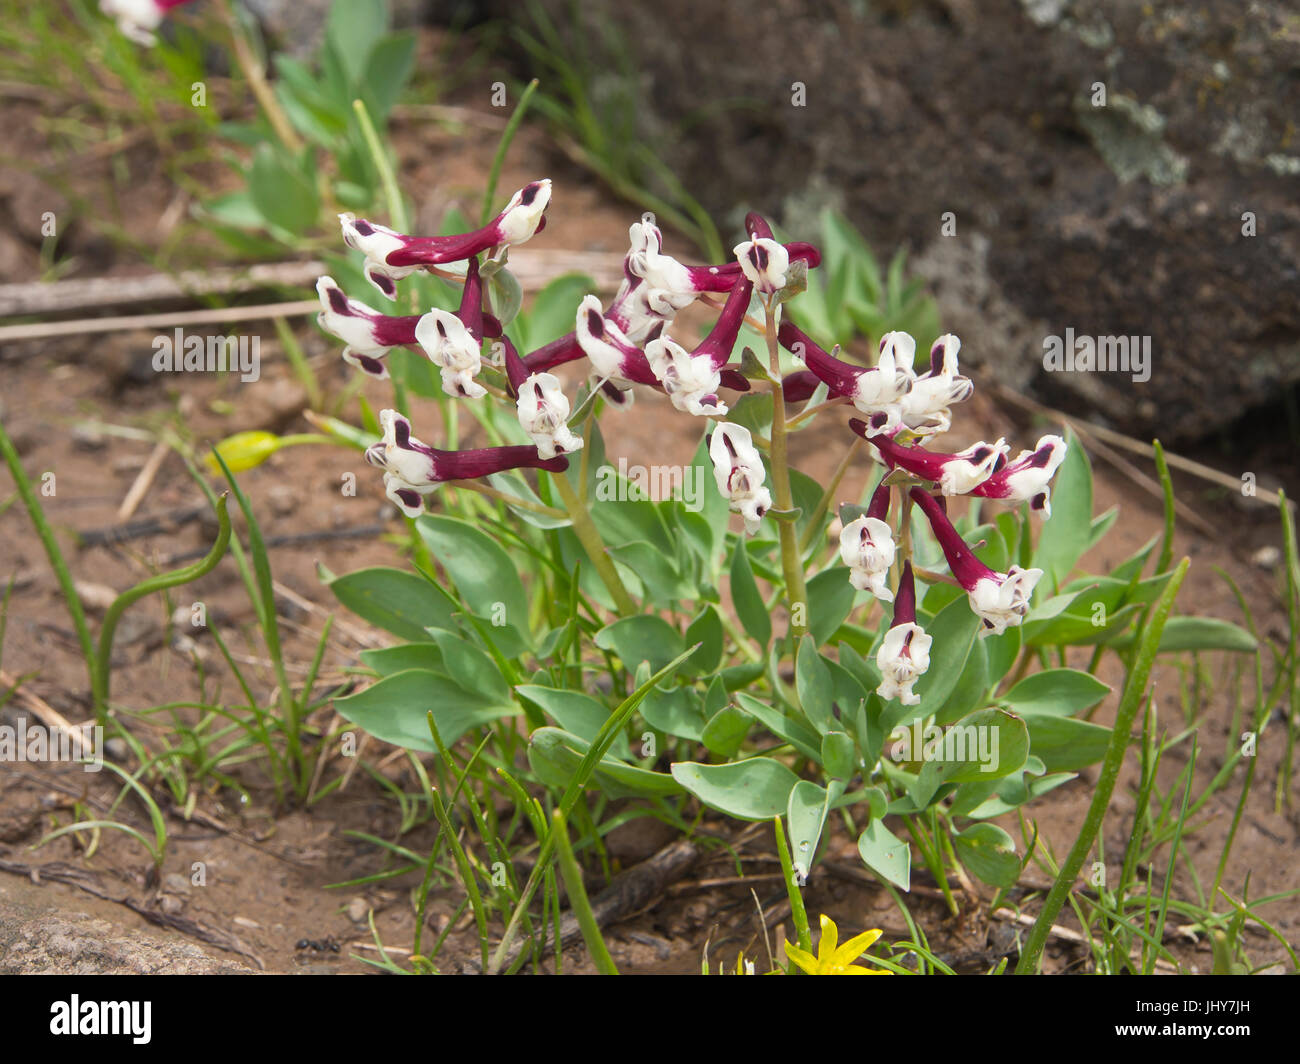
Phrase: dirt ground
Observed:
(268, 902)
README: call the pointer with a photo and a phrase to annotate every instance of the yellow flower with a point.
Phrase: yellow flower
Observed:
(833, 959)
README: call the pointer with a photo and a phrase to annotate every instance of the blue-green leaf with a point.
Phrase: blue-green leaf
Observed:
(886, 854)
(395, 708)
(396, 601)
(756, 789)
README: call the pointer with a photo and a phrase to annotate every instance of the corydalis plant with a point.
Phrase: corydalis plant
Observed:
(627, 344)
(577, 617)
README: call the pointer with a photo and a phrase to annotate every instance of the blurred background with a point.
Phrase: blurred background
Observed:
(1118, 168)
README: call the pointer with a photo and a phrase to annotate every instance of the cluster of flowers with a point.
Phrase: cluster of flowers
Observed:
(627, 344)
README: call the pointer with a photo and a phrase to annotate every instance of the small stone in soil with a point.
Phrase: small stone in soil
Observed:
(95, 596)
(1266, 557)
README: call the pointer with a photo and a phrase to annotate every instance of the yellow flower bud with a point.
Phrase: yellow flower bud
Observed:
(244, 450)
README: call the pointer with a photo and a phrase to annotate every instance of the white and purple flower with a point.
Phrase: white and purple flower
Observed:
(925, 407)
(867, 547)
(956, 474)
(904, 654)
(739, 473)
(999, 599)
(691, 379)
(454, 342)
(1028, 477)
(877, 391)
(367, 334)
(413, 469)
(543, 411)
(392, 256)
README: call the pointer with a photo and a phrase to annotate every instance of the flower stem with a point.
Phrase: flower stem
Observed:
(1134, 691)
(806, 541)
(585, 529)
(791, 563)
(508, 499)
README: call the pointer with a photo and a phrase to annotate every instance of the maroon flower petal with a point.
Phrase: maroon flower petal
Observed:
(484, 461)
(556, 353)
(905, 598)
(840, 377)
(721, 340)
(967, 568)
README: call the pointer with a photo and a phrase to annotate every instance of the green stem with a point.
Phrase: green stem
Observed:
(508, 499)
(831, 488)
(263, 598)
(946, 850)
(742, 641)
(791, 563)
(57, 561)
(175, 578)
(797, 911)
(585, 529)
(512, 127)
(1119, 739)
(392, 194)
(579, 904)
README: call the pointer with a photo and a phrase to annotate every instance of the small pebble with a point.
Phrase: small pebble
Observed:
(87, 438)
(95, 596)
(357, 910)
(283, 500)
(1266, 557)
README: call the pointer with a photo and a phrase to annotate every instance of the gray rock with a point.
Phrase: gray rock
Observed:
(38, 938)
(1125, 220)
(175, 883)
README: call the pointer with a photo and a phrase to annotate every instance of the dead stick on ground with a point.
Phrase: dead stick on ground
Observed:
(92, 293)
(1176, 461)
(143, 481)
(34, 298)
(1151, 485)
(145, 526)
(1067, 935)
(220, 316)
(42, 710)
(628, 892)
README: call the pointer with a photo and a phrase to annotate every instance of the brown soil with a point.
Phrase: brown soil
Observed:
(268, 870)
